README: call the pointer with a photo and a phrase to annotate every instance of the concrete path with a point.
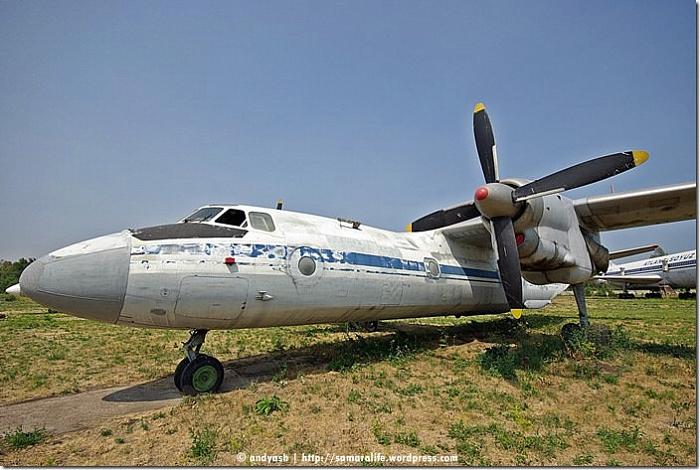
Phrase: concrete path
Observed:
(82, 410)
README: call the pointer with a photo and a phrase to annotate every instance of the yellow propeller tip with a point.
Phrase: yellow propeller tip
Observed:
(516, 312)
(479, 107)
(640, 156)
(409, 228)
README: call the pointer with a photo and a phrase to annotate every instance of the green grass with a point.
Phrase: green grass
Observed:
(19, 439)
(203, 447)
(380, 434)
(613, 440)
(409, 438)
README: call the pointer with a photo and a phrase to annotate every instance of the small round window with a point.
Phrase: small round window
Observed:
(307, 265)
(432, 267)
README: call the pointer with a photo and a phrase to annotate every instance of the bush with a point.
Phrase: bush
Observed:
(266, 406)
(598, 341)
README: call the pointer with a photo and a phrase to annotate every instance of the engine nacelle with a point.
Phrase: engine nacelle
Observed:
(552, 246)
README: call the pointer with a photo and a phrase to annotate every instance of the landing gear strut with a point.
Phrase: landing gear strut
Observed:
(580, 295)
(570, 330)
(198, 373)
(598, 333)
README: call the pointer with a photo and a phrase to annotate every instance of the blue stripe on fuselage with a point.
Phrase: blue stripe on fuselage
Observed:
(462, 271)
(278, 252)
(390, 262)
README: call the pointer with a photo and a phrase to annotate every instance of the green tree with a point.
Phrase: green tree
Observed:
(10, 271)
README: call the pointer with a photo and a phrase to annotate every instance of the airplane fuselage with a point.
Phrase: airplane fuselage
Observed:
(678, 270)
(297, 269)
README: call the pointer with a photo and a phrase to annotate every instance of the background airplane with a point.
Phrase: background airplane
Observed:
(236, 266)
(677, 271)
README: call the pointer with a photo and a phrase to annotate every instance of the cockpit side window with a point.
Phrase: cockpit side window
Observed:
(233, 217)
(203, 215)
(261, 221)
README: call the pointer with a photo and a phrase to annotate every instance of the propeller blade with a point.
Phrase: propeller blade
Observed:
(485, 143)
(582, 174)
(444, 217)
(508, 262)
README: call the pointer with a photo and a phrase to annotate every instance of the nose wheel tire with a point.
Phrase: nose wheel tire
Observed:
(202, 375)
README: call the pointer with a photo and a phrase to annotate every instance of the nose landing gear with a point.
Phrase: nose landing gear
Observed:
(198, 373)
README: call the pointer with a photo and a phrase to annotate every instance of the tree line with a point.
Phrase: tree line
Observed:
(10, 271)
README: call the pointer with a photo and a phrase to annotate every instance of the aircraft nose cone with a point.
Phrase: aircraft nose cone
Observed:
(89, 284)
(29, 279)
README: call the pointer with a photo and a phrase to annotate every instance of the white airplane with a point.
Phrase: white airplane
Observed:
(678, 271)
(235, 266)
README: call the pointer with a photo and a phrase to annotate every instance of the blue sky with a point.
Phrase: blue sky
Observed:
(127, 114)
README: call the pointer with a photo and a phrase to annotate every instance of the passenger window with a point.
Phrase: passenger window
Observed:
(233, 217)
(432, 268)
(261, 221)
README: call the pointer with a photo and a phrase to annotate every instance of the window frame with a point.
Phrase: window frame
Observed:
(252, 214)
(427, 261)
(185, 220)
(244, 224)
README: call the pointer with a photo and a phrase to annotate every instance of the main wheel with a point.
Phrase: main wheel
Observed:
(370, 326)
(570, 332)
(203, 375)
(177, 377)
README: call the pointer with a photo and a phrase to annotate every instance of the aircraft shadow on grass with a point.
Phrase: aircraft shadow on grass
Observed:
(531, 351)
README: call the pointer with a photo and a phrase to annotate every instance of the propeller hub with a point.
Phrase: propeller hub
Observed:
(481, 193)
(495, 200)
(519, 239)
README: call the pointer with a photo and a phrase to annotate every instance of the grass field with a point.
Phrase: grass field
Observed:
(491, 390)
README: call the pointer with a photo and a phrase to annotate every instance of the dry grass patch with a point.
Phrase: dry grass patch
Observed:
(492, 391)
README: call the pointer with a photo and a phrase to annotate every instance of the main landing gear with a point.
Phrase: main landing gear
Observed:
(570, 331)
(368, 326)
(198, 373)
(686, 295)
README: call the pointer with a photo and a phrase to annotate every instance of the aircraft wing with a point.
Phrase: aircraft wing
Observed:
(638, 208)
(632, 251)
(598, 213)
(472, 232)
(633, 279)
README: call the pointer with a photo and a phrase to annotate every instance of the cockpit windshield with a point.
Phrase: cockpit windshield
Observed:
(203, 215)
(233, 217)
